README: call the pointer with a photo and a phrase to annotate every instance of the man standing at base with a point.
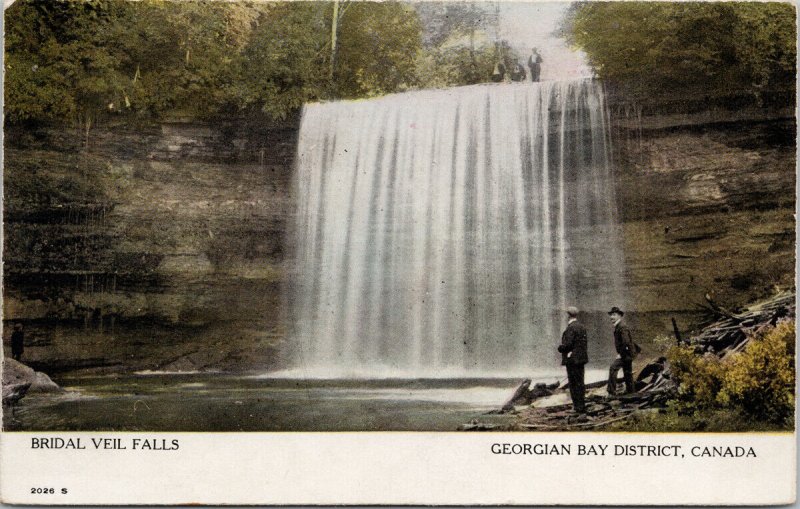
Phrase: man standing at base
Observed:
(626, 351)
(17, 342)
(574, 356)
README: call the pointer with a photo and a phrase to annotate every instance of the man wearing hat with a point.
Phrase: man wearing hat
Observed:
(574, 357)
(626, 351)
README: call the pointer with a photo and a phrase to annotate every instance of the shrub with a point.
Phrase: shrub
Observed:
(760, 380)
(699, 378)
(757, 383)
(664, 342)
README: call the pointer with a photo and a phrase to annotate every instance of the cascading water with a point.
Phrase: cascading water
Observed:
(443, 233)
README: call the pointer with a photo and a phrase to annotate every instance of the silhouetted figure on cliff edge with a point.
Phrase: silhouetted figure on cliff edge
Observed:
(535, 65)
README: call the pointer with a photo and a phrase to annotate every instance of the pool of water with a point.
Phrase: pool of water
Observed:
(219, 402)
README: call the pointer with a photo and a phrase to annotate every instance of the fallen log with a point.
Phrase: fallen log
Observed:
(525, 395)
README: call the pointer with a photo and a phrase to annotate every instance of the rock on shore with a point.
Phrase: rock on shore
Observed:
(19, 379)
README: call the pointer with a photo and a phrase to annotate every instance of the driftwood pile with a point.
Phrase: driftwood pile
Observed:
(600, 411)
(732, 333)
(729, 334)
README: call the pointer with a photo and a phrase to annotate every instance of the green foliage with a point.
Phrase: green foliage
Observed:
(379, 42)
(182, 56)
(457, 49)
(757, 382)
(86, 60)
(60, 61)
(671, 420)
(285, 59)
(761, 379)
(699, 378)
(680, 49)
(663, 342)
(454, 64)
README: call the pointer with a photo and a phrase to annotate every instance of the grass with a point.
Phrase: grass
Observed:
(670, 420)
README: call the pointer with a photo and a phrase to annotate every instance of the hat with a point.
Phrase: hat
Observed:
(616, 310)
(572, 311)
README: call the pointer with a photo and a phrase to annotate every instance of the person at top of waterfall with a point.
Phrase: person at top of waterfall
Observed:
(518, 73)
(574, 356)
(535, 65)
(626, 351)
(499, 72)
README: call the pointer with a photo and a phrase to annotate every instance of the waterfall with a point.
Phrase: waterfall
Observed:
(444, 232)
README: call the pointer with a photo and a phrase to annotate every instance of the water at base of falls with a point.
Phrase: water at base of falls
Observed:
(444, 232)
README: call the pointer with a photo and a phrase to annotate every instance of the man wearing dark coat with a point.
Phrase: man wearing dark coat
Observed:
(626, 351)
(17, 342)
(574, 356)
(535, 65)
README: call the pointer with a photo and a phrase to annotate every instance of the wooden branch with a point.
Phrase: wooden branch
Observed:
(719, 309)
(676, 331)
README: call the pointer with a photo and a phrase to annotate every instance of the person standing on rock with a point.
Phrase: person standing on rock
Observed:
(626, 351)
(17, 342)
(574, 356)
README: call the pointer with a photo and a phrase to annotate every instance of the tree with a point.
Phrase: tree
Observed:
(84, 61)
(183, 56)
(687, 49)
(377, 46)
(459, 47)
(59, 65)
(284, 63)
(287, 60)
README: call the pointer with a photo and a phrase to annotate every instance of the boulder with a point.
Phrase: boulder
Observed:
(14, 392)
(43, 383)
(16, 373)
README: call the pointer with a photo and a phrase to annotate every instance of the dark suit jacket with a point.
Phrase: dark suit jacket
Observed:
(574, 340)
(623, 342)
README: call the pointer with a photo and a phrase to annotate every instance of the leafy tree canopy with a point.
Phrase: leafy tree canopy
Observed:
(685, 49)
(83, 60)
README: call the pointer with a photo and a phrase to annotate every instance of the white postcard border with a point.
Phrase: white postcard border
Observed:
(397, 468)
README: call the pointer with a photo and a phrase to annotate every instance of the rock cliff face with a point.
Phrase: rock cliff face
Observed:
(158, 247)
(707, 206)
(163, 247)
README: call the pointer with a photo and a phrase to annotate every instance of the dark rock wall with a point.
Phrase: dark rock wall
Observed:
(157, 247)
(165, 246)
(707, 205)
